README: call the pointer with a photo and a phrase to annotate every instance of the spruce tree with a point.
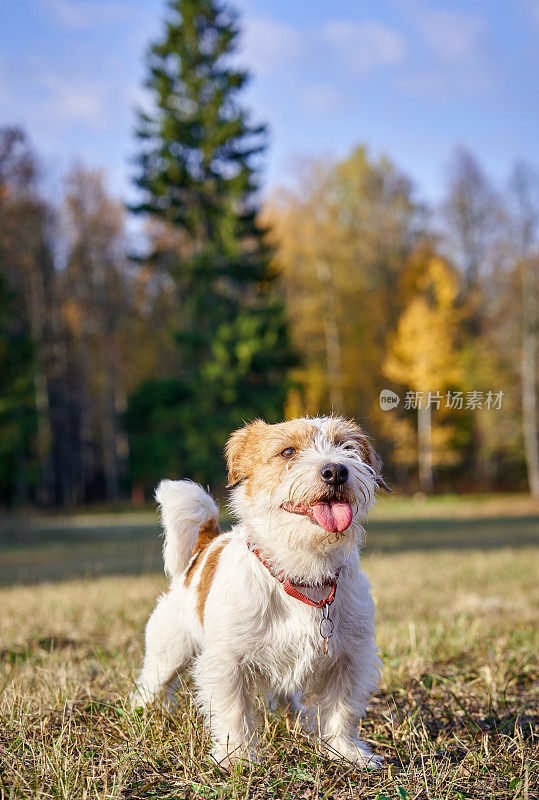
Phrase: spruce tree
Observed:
(198, 174)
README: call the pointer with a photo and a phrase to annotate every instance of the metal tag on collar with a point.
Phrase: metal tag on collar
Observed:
(326, 626)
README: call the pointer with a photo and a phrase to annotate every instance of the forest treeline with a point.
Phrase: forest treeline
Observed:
(126, 357)
(436, 304)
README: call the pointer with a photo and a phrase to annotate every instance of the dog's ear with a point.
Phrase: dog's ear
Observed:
(369, 454)
(237, 450)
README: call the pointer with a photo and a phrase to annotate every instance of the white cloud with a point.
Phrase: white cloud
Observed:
(452, 35)
(322, 98)
(367, 45)
(313, 63)
(269, 44)
(460, 59)
(69, 101)
(87, 13)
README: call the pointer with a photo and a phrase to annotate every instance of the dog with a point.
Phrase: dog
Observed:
(278, 605)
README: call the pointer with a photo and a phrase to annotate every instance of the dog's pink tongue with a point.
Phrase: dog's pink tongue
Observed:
(333, 517)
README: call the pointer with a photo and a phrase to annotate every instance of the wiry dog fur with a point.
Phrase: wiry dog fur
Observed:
(228, 618)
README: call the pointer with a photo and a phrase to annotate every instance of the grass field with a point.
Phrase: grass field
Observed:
(93, 544)
(454, 718)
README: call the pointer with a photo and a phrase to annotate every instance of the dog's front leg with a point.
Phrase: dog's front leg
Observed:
(228, 707)
(341, 704)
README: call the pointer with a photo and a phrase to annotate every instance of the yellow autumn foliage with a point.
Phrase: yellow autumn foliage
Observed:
(423, 356)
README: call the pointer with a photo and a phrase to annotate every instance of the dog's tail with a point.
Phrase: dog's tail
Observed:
(190, 520)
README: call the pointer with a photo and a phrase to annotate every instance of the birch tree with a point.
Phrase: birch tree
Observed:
(524, 187)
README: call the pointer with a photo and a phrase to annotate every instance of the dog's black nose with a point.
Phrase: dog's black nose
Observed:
(334, 474)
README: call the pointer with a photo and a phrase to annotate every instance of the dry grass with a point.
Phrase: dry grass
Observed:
(454, 717)
(455, 506)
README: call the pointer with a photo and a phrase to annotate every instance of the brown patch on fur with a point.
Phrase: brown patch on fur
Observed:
(206, 577)
(207, 532)
(252, 452)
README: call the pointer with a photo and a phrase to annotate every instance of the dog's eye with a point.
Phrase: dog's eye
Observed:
(348, 446)
(288, 452)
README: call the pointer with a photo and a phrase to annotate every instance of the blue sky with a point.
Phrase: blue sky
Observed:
(410, 78)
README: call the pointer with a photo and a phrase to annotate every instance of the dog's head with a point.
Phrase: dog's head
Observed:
(310, 478)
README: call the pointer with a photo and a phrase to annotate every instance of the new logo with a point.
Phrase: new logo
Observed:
(388, 400)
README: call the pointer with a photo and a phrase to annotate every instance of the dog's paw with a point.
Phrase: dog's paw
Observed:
(139, 698)
(373, 762)
(229, 755)
(355, 751)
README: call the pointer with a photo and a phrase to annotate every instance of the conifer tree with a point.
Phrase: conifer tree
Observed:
(198, 173)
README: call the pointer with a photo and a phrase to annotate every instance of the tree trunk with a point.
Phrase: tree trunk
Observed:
(41, 308)
(424, 448)
(332, 339)
(108, 443)
(529, 373)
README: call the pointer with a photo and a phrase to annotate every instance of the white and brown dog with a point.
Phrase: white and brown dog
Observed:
(278, 605)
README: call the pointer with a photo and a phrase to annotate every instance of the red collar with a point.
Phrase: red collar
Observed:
(292, 588)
